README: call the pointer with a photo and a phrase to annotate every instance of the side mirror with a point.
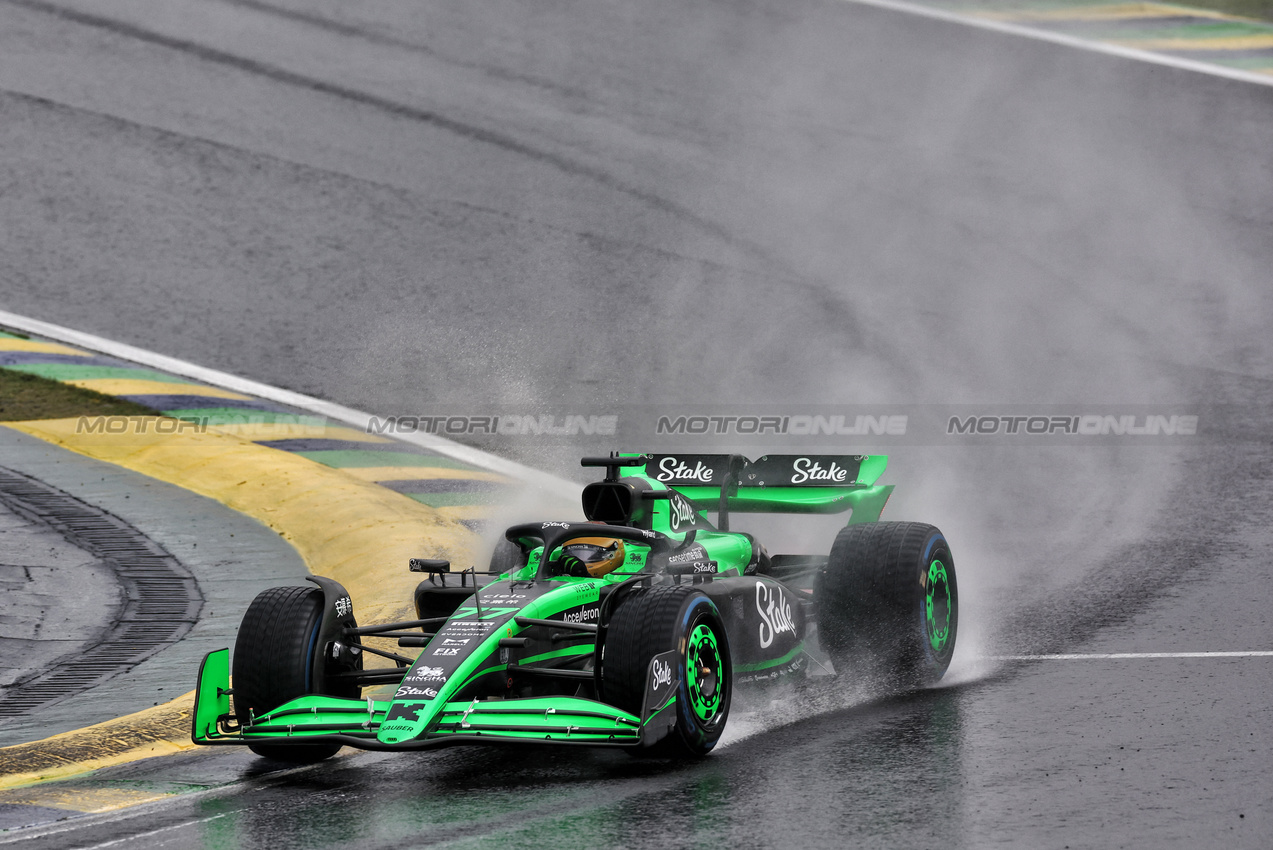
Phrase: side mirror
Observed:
(429, 565)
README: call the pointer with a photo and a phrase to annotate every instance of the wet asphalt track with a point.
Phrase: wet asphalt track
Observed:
(403, 208)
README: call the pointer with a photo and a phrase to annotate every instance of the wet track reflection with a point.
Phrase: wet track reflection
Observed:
(860, 774)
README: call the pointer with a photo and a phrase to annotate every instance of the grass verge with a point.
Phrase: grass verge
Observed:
(26, 397)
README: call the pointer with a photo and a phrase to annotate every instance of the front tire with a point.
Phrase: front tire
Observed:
(274, 664)
(888, 603)
(672, 617)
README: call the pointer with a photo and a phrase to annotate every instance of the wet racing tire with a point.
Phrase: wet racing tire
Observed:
(888, 604)
(650, 621)
(274, 663)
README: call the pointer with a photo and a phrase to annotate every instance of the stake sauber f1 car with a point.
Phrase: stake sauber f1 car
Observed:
(629, 630)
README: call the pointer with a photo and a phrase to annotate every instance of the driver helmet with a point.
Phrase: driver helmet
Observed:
(591, 556)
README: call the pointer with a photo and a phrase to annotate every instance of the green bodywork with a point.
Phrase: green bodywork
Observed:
(467, 705)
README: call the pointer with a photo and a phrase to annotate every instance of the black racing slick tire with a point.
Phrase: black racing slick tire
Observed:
(888, 603)
(650, 621)
(274, 663)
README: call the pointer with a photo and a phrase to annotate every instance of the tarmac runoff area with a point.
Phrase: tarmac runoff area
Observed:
(236, 506)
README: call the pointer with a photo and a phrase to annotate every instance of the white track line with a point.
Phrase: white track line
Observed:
(1070, 41)
(1107, 656)
(331, 410)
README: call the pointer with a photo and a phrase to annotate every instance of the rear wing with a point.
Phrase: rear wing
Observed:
(808, 483)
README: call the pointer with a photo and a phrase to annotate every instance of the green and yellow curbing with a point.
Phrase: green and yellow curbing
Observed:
(352, 530)
(1216, 37)
(343, 527)
(158, 731)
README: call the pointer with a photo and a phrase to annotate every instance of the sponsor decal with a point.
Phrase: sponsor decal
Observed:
(344, 606)
(502, 598)
(409, 691)
(488, 613)
(455, 642)
(636, 557)
(773, 673)
(704, 567)
(396, 727)
(803, 469)
(584, 615)
(680, 512)
(427, 674)
(662, 673)
(775, 613)
(672, 469)
(442, 650)
(548, 525)
(694, 553)
(399, 711)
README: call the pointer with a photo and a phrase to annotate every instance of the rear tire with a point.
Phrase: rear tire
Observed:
(274, 663)
(888, 604)
(654, 620)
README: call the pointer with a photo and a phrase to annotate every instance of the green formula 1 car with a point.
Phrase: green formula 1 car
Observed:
(629, 630)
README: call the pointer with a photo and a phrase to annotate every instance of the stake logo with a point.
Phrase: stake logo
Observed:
(680, 512)
(662, 673)
(803, 469)
(775, 613)
(408, 691)
(671, 469)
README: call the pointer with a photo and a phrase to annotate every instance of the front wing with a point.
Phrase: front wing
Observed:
(355, 722)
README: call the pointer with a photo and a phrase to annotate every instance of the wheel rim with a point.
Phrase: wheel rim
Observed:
(703, 673)
(937, 607)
